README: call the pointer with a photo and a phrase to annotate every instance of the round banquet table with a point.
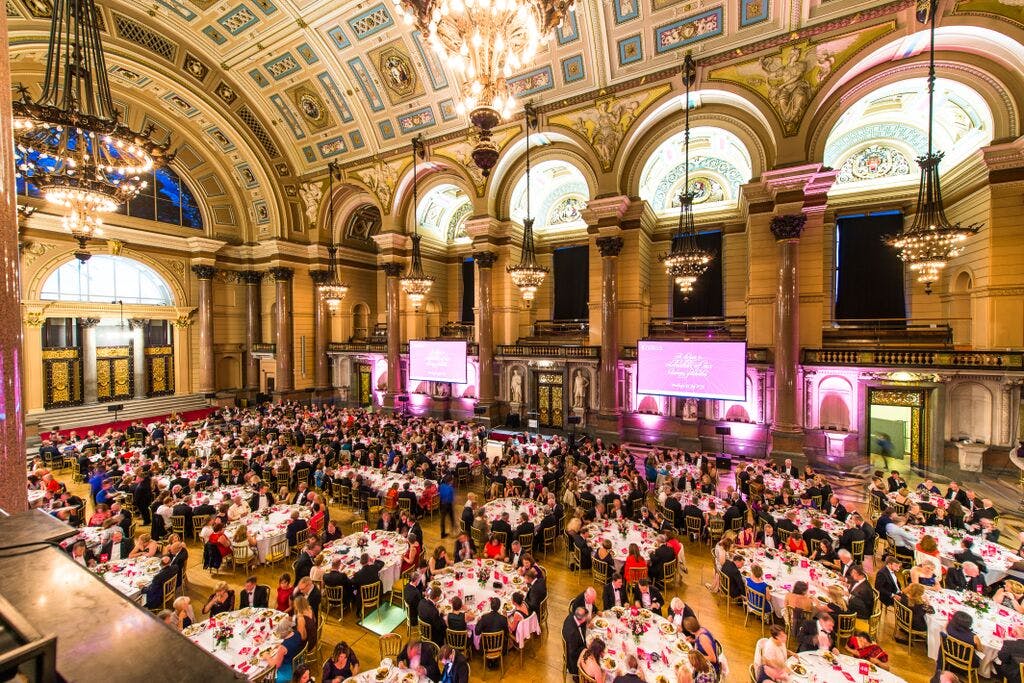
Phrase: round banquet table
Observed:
(449, 461)
(524, 472)
(250, 633)
(651, 638)
(464, 579)
(602, 486)
(989, 619)
(35, 497)
(514, 507)
(93, 536)
(381, 480)
(831, 667)
(998, 559)
(644, 537)
(130, 577)
(387, 546)
(268, 526)
(782, 569)
(387, 672)
(223, 494)
(832, 526)
(774, 483)
(164, 480)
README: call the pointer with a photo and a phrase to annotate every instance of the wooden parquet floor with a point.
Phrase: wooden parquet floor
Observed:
(543, 658)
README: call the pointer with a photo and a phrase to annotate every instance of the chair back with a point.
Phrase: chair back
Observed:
(390, 645)
(716, 527)
(457, 640)
(492, 644)
(957, 653)
(357, 525)
(669, 571)
(757, 602)
(333, 595)
(736, 524)
(857, 550)
(169, 587)
(477, 534)
(586, 678)
(369, 596)
(542, 613)
(501, 537)
(301, 536)
(426, 632)
(600, 571)
(844, 627)
(178, 525)
(634, 574)
(904, 617)
(550, 534)
(198, 522)
(278, 551)
(526, 540)
(694, 526)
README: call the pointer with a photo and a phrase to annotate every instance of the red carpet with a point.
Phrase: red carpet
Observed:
(121, 425)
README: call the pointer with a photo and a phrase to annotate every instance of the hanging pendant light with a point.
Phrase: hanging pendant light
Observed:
(333, 291)
(71, 143)
(416, 283)
(528, 275)
(928, 244)
(686, 261)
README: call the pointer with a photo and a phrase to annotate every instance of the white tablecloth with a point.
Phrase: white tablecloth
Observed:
(223, 494)
(130, 577)
(386, 546)
(773, 483)
(387, 672)
(832, 526)
(514, 507)
(251, 634)
(463, 579)
(780, 577)
(601, 486)
(997, 558)
(267, 526)
(35, 497)
(818, 666)
(381, 481)
(651, 638)
(643, 536)
(946, 602)
(93, 536)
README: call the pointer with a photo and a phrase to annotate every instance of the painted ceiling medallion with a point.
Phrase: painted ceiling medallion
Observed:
(394, 64)
(311, 107)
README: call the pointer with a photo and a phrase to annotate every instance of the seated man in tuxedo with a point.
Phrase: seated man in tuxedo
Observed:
(295, 525)
(253, 594)
(1011, 655)
(887, 580)
(117, 547)
(420, 659)
(587, 600)
(429, 614)
(817, 634)
(862, 598)
(731, 570)
(493, 621)
(615, 593)
(155, 590)
(334, 577)
(367, 574)
(648, 596)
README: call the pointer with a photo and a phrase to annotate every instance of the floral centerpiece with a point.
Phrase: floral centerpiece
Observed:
(979, 603)
(635, 623)
(222, 635)
(362, 541)
(623, 530)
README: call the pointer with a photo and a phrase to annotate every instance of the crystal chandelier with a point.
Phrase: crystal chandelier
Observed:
(333, 290)
(71, 143)
(416, 283)
(686, 261)
(928, 244)
(528, 275)
(485, 42)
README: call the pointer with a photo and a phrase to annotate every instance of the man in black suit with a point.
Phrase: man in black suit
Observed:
(648, 596)
(632, 672)
(306, 587)
(850, 534)
(887, 580)
(493, 621)
(367, 574)
(253, 594)
(515, 554)
(836, 508)
(815, 533)
(413, 594)
(587, 600)
(862, 598)
(525, 527)
(428, 614)
(179, 558)
(117, 547)
(816, 634)
(155, 590)
(261, 499)
(967, 554)
(468, 514)
(615, 594)
(537, 590)
(1011, 655)
(966, 578)
(183, 509)
(464, 548)
(954, 492)
(304, 563)
(420, 659)
(731, 570)
(502, 526)
(661, 556)
(574, 631)
(334, 577)
(295, 525)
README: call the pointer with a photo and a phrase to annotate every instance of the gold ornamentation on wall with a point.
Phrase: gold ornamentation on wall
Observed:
(60, 383)
(159, 350)
(113, 352)
(60, 354)
(103, 380)
(62, 377)
(896, 398)
(122, 378)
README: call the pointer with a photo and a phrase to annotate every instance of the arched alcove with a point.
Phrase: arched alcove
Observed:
(835, 399)
(971, 412)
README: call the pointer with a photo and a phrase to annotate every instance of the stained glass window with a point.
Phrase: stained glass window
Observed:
(105, 279)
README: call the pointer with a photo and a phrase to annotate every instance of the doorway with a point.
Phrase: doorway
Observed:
(364, 387)
(550, 400)
(896, 425)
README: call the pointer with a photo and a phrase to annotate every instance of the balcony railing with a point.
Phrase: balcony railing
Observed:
(457, 330)
(733, 327)
(382, 347)
(264, 349)
(901, 333)
(755, 355)
(560, 329)
(547, 351)
(916, 358)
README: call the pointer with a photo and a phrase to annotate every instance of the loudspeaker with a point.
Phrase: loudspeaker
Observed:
(480, 410)
(574, 419)
(115, 408)
(723, 463)
(723, 431)
(210, 396)
(403, 399)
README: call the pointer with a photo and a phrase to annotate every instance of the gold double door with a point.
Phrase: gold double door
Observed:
(550, 400)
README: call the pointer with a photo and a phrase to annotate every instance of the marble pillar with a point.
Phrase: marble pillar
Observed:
(253, 329)
(12, 412)
(321, 333)
(485, 326)
(610, 247)
(207, 381)
(787, 230)
(283, 353)
(138, 328)
(89, 359)
(392, 272)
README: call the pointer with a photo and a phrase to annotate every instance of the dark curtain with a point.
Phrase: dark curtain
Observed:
(706, 299)
(869, 274)
(572, 283)
(468, 290)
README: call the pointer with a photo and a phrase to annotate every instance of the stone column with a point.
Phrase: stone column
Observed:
(393, 271)
(786, 230)
(89, 359)
(485, 326)
(138, 328)
(321, 333)
(207, 382)
(610, 246)
(253, 329)
(12, 412)
(285, 380)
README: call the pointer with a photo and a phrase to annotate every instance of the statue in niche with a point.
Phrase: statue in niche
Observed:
(516, 386)
(690, 409)
(580, 383)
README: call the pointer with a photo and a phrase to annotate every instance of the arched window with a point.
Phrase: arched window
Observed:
(443, 211)
(558, 194)
(104, 279)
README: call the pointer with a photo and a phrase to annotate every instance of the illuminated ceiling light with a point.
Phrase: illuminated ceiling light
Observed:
(416, 283)
(528, 275)
(333, 291)
(686, 261)
(485, 42)
(71, 143)
(928, 244)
